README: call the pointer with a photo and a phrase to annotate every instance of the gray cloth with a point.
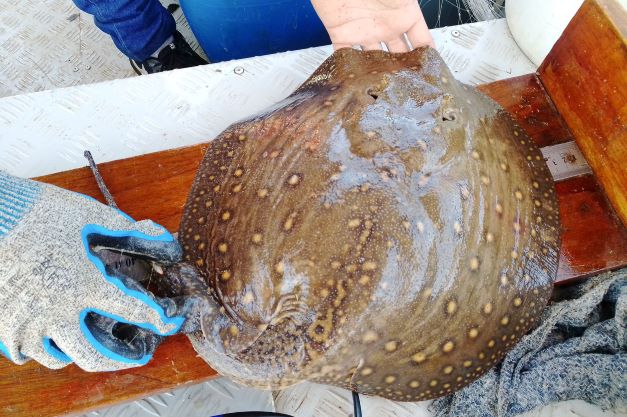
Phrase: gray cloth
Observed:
(578, 352)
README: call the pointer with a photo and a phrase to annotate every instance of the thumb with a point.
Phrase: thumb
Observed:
(145, 240)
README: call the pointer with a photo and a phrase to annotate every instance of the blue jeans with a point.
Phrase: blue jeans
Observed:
(138, 27)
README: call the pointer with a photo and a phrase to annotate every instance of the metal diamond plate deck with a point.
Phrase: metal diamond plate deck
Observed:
(51, 44)
(47, 131)
(203, 400)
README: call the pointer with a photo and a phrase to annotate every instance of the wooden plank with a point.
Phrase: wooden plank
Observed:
(32, 390)
(525, 99)
(586, 76)
(593, 238)
(156, 185)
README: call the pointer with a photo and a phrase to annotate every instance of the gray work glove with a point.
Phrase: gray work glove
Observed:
(59, 302)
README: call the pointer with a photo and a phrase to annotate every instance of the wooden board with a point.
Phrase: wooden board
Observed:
(155, 186)
(586, 76)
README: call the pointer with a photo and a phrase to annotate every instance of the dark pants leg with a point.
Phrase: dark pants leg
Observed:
(138, 27)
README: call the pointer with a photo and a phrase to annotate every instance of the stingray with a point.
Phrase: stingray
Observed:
(385, 228)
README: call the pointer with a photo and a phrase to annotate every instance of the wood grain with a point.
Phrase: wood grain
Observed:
(586, 76)
(525, 99)
(156, 185)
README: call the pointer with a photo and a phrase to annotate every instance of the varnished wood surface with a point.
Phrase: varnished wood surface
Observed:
(525, 99)
(586, 76)
(155, 186)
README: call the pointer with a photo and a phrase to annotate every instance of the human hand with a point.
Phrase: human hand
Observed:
(55, 290)
(368, 23)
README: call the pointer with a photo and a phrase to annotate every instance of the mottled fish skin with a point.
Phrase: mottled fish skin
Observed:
(384, 229)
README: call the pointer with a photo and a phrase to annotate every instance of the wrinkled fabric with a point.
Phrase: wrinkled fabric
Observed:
(578, 352)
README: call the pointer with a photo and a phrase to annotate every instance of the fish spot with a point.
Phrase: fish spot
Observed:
(451, 307)
(467, 364)
(419, 357)
(237, 188)
(504, 321)
(242, 138)
(208, 203)
(289, 222)
(485, 179)
(491, 343)
(223, 247)
(364, 279)
(366, 371)
(370, 337)
(279, 267)
(294, 179)
(514, 254)
(238, 172)
(499, 208)
(517, 302)
(369, 266)
(473, 333)
(202, 246)
(457, 227)
(233, 330)
(353, 223)
(487, 308)
(225, 275)
(216, 188)
(433, 383)
(503, 166)
(474, 264)
(201, 220)
(196, 237)
(448, 346)
(262, 193)
(516, 226)
(421, 227)
(414, 384)
(504, 279)
(390, 379)
(391, 346)
(489, 237)
(475, 155)
(518, 194)
(447, 369)
(200, 262)
(226, 215)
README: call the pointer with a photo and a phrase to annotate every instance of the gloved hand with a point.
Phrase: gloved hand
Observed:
(57, 297)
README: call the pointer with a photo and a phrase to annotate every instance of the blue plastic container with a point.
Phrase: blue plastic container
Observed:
(232, 29)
